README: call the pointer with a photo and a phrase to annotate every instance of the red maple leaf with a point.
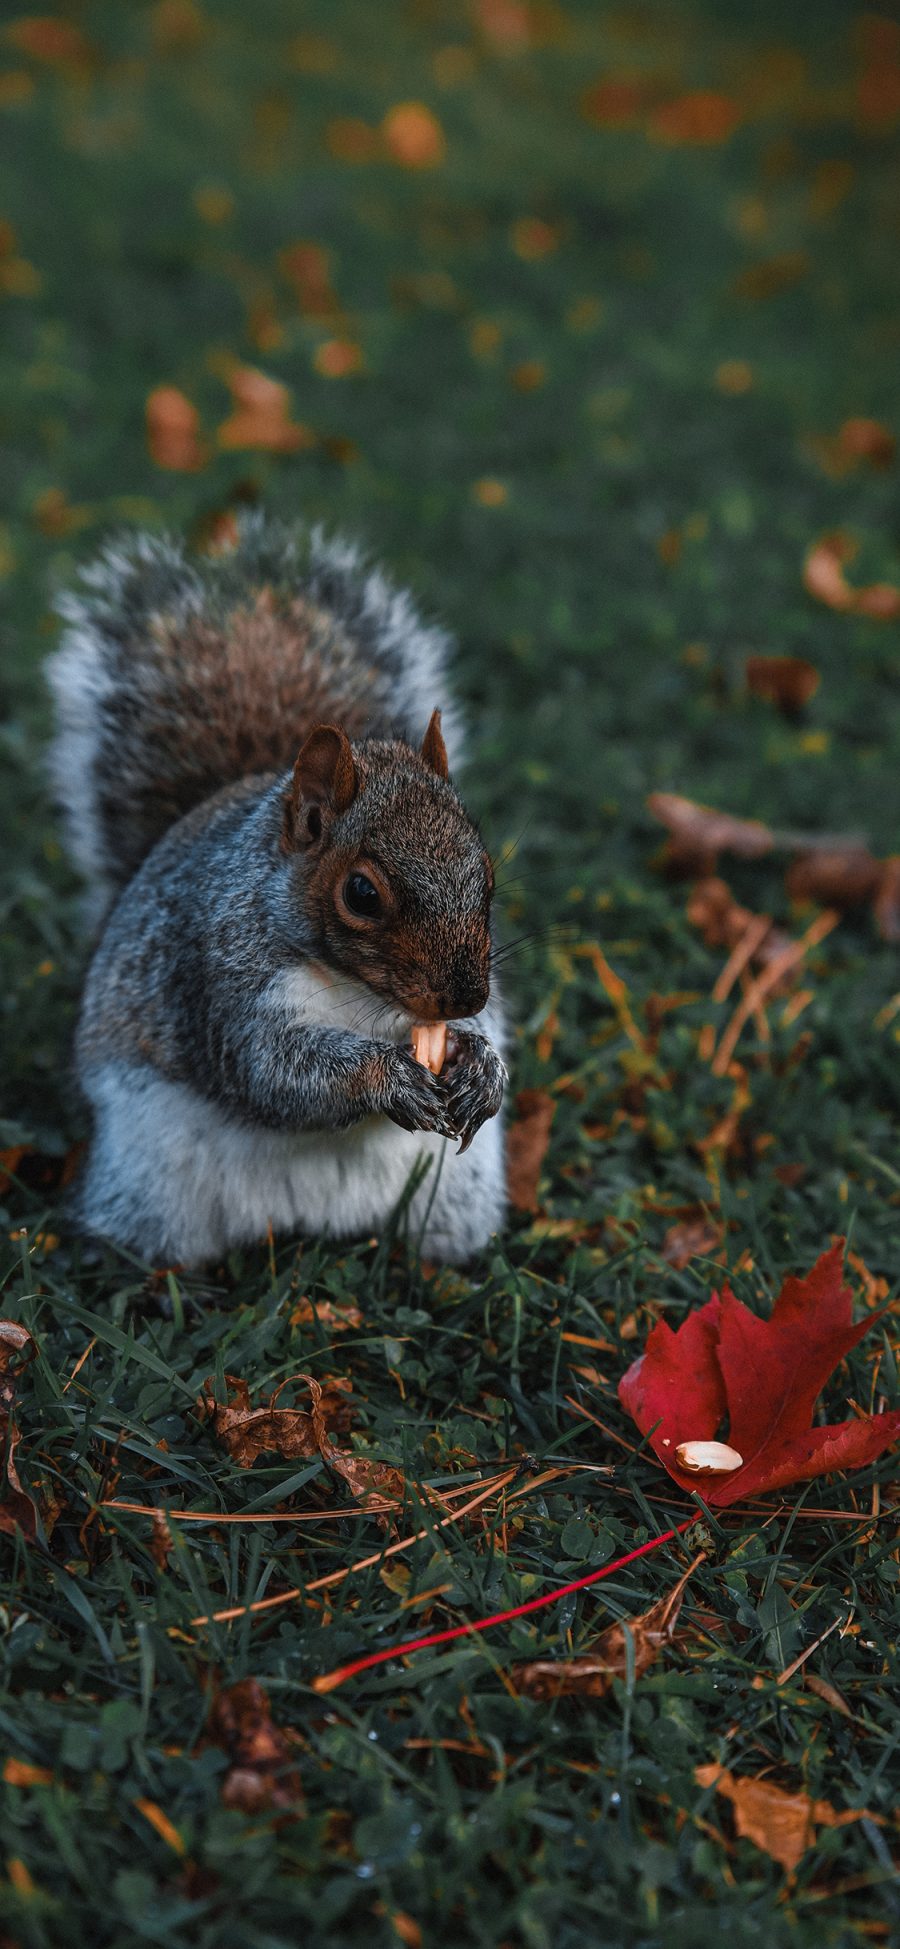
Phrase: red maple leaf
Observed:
(764, 1377)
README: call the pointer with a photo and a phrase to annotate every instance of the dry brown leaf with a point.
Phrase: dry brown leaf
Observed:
(782, 1824)
(262, 1774)
(526, 1147)
(173, 431)
(616, 101)
(863, 439)
(335, 1315)
(704, 117)
(697, 833)
(375, 1484)
(886, 904)
(824, 578)
(847, 877)
(261, 417)
(788, 681)
(592, 1675)
(17, 1510)
(47, 38)
(307, 267)
(841, 877)
(856, 442)
(293, 1433)
(694, 1238)
(413, 136)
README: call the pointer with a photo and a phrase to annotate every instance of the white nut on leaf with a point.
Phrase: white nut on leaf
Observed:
(708, 1457)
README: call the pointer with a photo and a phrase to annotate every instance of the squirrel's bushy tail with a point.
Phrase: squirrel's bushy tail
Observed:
(177, 675)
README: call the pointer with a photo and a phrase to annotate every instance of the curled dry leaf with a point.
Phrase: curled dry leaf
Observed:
(764, 1377)
(848, 877)
(788, 681)
(247, 1432)
(695, 1238)
(697, 833)
(173, 431)
(262, 1775)
(840, 877)
(294, 1433)
(526, 1147)
(17, 1510)
(886, 905)
(782, 1824)
(592, 1674)
(824, 579)
(261, 417)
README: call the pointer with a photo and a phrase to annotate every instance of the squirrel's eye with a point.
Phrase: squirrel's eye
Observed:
(362, 897)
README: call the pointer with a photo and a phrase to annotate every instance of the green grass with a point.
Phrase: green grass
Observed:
(577, 1820)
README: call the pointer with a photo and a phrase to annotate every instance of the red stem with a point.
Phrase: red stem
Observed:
(328, 1681)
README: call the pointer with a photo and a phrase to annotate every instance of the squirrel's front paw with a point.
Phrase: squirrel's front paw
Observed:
(473, 1079)
(413, 1097)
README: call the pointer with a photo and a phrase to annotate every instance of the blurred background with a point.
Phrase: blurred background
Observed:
(565, 309)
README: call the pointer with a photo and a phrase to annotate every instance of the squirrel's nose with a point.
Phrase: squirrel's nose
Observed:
(466, 992)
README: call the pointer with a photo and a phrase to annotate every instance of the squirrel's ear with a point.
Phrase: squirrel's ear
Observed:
(325, 780)
(434, 750)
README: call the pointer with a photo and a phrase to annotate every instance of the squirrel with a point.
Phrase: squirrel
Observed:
(273, 925)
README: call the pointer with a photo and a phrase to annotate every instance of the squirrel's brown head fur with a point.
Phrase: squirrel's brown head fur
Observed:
(397, 882)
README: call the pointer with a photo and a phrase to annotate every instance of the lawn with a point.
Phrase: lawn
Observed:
(570, 304)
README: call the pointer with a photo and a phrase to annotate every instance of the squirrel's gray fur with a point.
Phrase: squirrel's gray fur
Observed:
(243, 1041)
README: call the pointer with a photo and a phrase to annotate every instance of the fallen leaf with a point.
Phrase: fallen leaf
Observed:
(850, 876)
(414, 136)
(886, 905)
(262, 1774)
(307, 267)
(261, 419)
(788, 681)
(694, 1238)
(173, 431)
(764, 1376)
(592, 1674)
(350, 139)
(824, 579)
(47, 38)
(526, 1147)
(773, 275)
(782, 1824)
(616, 101)
(17, 1509)
(697, 833)
(856, 441)
(338, 358)
(506, 24)
(335, 1315)
(292, 1433)
(704, 116)
(838, 877)
(532, 238)
(375, 1484)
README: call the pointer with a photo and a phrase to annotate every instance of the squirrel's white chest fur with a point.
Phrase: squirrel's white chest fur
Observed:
(207, 1182)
